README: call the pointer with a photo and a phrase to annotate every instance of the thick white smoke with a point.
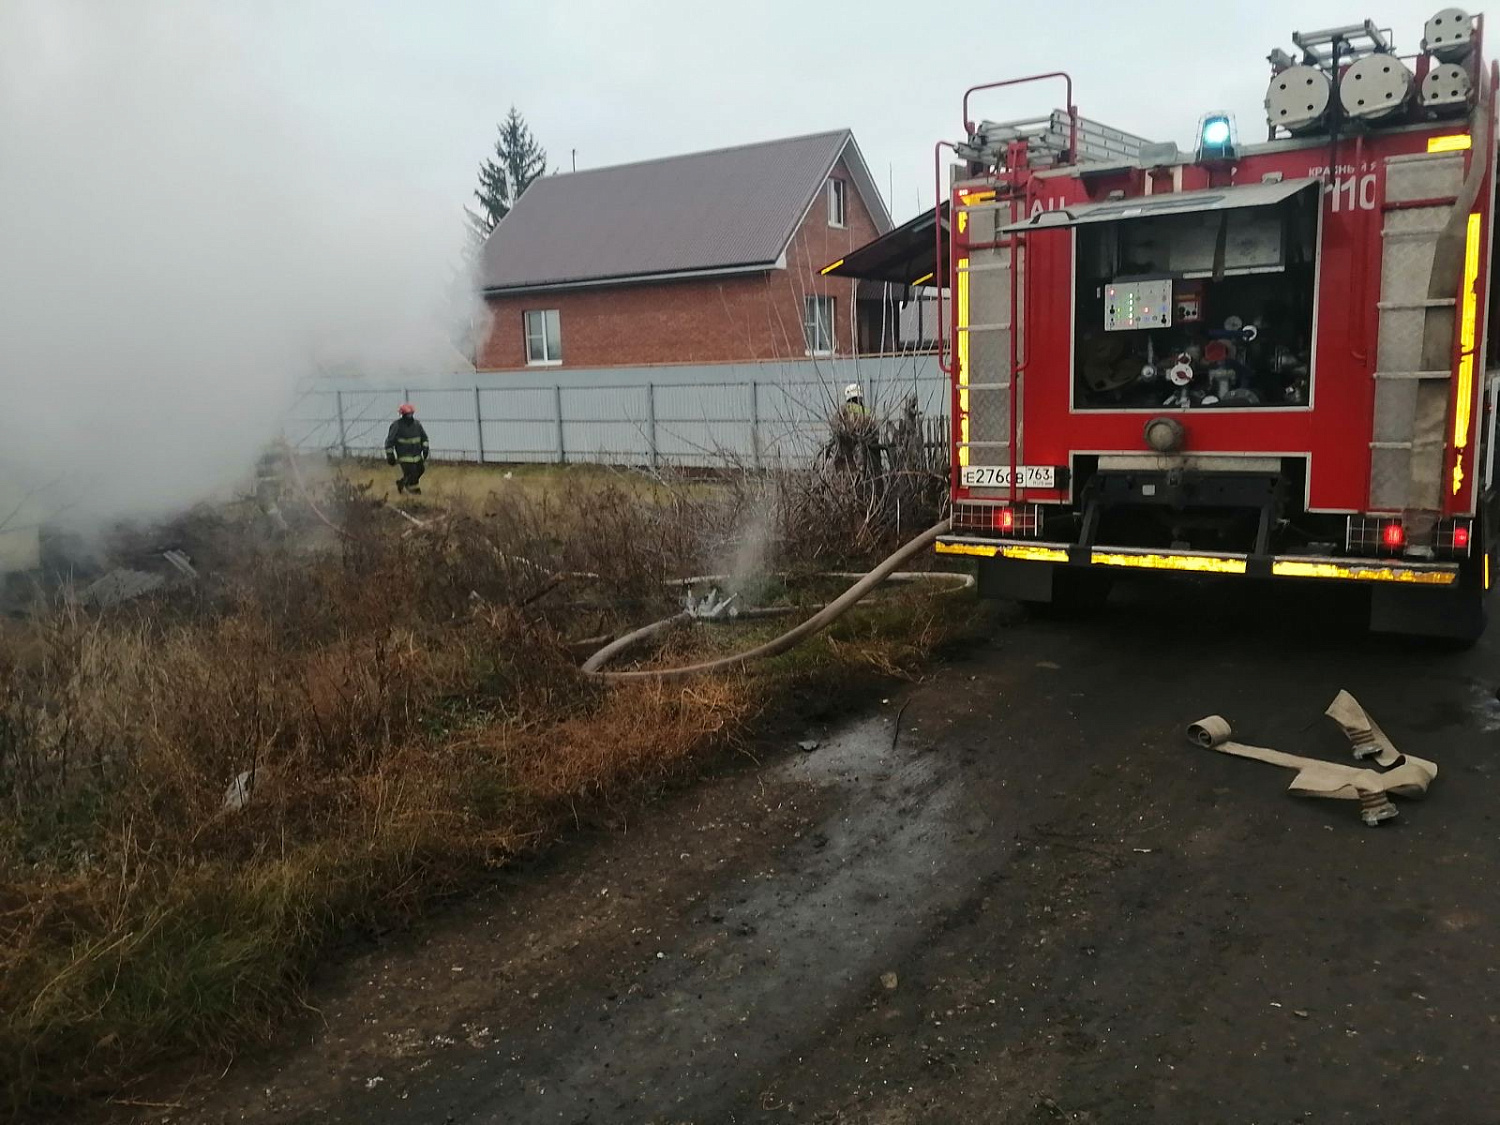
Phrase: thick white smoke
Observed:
(179, 246)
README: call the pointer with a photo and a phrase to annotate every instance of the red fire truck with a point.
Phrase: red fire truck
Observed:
(1253, 359)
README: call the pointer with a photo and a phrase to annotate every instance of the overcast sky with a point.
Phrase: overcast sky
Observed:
(620, 81)
(202, 201)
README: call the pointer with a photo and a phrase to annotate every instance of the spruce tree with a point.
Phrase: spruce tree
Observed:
(518, 160)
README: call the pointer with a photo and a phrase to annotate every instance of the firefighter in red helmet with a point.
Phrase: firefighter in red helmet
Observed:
(406, 445)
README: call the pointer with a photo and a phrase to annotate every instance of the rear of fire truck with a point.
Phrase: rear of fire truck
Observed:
(1258, 360)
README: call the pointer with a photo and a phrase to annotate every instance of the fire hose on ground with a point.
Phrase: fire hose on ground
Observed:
(824, 617)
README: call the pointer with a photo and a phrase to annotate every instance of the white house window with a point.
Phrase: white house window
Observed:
(836, 203)
(543, 337)
(817, 324)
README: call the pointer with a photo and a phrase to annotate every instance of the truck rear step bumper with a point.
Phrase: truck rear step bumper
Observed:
(1206, 562)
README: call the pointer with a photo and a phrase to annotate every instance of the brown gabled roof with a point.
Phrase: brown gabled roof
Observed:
(707, 212)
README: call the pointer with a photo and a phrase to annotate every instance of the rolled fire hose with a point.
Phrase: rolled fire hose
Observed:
(790, 639)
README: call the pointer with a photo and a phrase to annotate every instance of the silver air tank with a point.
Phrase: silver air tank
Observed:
(1449, 35)
(1297, 99)
(1375, 87)
(1446, 88)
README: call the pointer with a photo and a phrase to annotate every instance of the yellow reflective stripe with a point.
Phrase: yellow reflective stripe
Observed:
(1029, 553)
(1026, 552)
(1459, 142)
(1374, 572)
(1204, 563)
(983, 550)
(1212, 564)
(961, 355)
(1463, 399)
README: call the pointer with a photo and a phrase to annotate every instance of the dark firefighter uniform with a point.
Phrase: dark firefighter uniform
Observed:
(406, 445)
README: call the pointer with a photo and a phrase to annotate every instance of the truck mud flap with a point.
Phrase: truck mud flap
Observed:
(1455, 613)
(1051, 584)
(1018, 581)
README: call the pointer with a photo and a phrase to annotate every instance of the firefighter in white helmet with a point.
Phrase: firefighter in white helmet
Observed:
(856, 441)
(854, 401)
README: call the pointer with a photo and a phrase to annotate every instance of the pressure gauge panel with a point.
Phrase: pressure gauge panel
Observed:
(1133, 305)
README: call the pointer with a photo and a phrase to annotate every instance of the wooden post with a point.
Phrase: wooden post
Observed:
(478, 426)
(338, 401)
(755, 453)
(651, 424)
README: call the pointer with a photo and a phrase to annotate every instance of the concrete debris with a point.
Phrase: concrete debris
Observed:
(124, 584)
(713, 606)
(1402, 775)
(181, 563)
(237, 796)
(888, 981)
(121, 585)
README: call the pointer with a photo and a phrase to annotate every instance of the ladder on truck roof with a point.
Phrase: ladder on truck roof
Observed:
(1342, 44)
(1047, 140)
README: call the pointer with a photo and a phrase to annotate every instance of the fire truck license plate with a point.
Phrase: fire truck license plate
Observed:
(1027, 476)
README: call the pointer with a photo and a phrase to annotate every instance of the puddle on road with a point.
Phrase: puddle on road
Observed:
(860, 748)
(1485, 707)
(779, 952)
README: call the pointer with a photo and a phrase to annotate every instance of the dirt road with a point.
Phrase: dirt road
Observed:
(1036, 904)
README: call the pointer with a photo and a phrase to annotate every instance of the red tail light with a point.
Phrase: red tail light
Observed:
(1005, 519)
(1461, 537)
(1393, 534)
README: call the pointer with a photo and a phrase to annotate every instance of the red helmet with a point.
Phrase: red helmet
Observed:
(406, 408)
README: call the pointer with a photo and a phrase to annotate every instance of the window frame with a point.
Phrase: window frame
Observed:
(838, 203)
(810, 325)
(547, 358)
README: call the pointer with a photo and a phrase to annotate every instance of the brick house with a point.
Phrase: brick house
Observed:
(712, 257)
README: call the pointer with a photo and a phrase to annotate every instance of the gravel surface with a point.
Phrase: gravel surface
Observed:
(1035, 903)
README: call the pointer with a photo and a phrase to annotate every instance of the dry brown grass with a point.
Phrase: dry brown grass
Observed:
(407, 705)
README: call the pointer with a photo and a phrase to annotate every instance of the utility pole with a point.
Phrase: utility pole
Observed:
(575, 160)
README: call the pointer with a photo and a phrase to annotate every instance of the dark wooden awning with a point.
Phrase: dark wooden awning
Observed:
(903, 256)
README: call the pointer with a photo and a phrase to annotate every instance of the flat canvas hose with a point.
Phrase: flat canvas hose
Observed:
(788, 640)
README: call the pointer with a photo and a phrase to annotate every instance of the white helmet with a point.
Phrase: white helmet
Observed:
(852, 392)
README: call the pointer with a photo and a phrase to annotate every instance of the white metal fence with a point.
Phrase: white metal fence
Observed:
(761, 414)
